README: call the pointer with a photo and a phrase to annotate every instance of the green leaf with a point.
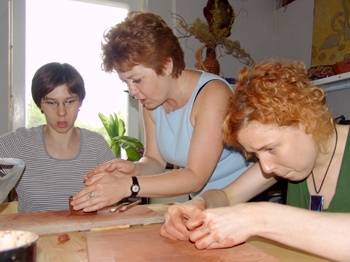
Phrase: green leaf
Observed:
(115, 127)
(131, 145)
(116, 149)
(107, 125)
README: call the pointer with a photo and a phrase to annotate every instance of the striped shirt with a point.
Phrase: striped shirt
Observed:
(46, 182)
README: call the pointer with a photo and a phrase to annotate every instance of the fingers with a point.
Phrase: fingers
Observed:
(89, 201)
(86, 197)
(209, 241)
(121, 167)
(117, 167)
(107, 190)
(97, 170)
(196, 221)
(174, 229)
(94, 179)
(89, 198)
(173, 235)
(197, 233)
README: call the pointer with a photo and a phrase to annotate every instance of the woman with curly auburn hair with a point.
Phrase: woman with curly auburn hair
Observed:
(183, 112)
(294, 102)
(279, 117)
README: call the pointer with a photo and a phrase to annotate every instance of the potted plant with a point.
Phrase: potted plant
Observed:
(115, 127)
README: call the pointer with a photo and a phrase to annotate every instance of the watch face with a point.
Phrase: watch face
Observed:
(135, 188)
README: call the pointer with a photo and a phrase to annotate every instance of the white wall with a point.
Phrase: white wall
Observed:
(263, 30)
(338, 102)
(294, 31)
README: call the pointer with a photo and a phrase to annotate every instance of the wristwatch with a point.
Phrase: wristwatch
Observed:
(135, 187)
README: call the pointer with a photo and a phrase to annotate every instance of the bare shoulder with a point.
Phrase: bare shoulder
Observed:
(218, 87)
(215, 86)
(215, 92)
(211, 102)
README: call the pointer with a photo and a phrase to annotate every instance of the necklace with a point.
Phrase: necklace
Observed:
(316, 201)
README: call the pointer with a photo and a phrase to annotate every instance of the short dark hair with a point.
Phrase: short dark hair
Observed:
(54, 74)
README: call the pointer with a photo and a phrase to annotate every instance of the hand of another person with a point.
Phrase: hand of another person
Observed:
(176, 217)
(220, 227)
(117, 166)
(106, 190)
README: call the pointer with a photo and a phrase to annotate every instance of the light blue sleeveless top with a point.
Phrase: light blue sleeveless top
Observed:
(174, 134)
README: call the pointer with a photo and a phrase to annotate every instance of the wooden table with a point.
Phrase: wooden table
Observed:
(50, 249)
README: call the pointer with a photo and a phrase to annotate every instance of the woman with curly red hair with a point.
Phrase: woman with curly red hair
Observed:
(278, 116)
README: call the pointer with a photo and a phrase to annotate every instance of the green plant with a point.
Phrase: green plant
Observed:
(115, 127)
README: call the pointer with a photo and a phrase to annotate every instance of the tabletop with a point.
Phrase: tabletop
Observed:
(75, 249)
(84, 245)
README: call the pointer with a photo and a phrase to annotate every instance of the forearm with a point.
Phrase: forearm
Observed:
(148, 166)
(239, 190)
(324, 234)
(172, 183)
(213, 198)
(251, 183)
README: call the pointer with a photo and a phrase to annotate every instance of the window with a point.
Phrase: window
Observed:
(69, 31)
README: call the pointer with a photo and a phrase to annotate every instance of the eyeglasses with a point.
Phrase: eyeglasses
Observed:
(70, 103)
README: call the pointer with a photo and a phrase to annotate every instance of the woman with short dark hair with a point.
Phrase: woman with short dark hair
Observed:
(58, 154)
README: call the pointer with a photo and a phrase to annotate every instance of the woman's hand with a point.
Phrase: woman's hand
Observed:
(103, 190)
(176, 218)
(221, 227)
(117, 167)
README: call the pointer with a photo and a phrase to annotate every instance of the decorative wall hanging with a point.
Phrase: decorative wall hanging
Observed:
(331, 32)
(214, 34)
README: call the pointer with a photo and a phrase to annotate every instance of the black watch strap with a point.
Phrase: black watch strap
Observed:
(135, 187)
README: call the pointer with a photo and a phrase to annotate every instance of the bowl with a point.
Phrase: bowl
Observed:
(16, 245)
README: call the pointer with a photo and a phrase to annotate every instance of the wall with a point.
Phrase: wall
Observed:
(338, 102)
(263, 30)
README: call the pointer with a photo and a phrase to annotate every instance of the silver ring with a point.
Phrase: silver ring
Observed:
(91, 195)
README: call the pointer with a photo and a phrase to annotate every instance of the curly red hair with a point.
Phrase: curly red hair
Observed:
(278, 93)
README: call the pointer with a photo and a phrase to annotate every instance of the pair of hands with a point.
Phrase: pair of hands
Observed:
(210, 228)
(106, 185)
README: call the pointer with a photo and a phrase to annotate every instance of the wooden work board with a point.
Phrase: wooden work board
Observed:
(63, 221)
(145, 244)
